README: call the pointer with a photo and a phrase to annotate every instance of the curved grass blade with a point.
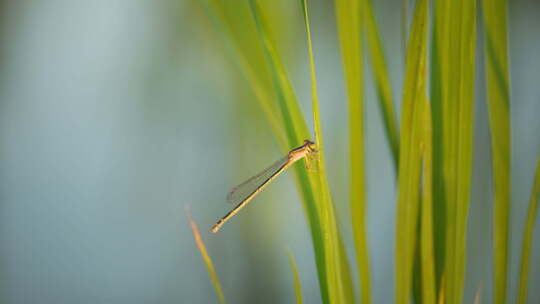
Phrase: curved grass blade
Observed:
(340, 290)
(382, 81)
(206, 258)
(286, 97)
(291, 123)
(296, 280)
(295, 127)
(323, 224)
(532, 213)
(498, 97)
(237, 53)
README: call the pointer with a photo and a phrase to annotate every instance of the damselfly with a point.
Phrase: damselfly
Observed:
(246, 191)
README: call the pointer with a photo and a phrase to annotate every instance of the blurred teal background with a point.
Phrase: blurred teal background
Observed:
(114, 115)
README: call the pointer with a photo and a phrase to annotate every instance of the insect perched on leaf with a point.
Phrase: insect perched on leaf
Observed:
(242, 194)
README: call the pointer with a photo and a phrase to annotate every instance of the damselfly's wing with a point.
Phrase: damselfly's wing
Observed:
(245, 189)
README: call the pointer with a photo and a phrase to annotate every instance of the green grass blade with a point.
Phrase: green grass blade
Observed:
(465, 101)
(528, 237)
(459, 124)
(296, 280)
(497, 86)
(321, 216)
(438, 95)
(409, 163)
(347, 281)
(382, 80)
(341, 291)
(233, 45)
(426, 233)
(313, 77)
(452, 89)
(295, 126)
(296, 130)
(348, 14)
(292, 121)
(266, 99)
(206, 258)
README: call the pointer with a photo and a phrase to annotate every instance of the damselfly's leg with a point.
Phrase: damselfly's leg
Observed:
(310, 161)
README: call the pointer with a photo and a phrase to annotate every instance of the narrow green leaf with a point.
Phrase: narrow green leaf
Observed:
(438, 95)
(528, 237)
(382, 80)
(348, 14)
(409, 163)
(296, 280)
(465, 113)
(206, 258)
(284, 116)
(295, 126)
(237, 54)
(452, 89)
(340, 290)
(323, 224)
(266, 99)
(498, 97)
(426, 234)
(459, 101)
(294, 122)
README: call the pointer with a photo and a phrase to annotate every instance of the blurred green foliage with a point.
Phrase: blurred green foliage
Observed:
(435, 149)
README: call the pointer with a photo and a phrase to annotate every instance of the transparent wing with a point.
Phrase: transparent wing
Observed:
(245, 189)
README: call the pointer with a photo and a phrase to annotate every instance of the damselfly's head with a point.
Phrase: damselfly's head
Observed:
(304, 150)
(310, 146)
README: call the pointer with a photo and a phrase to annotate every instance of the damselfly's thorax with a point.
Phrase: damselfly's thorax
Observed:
(304, 150)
